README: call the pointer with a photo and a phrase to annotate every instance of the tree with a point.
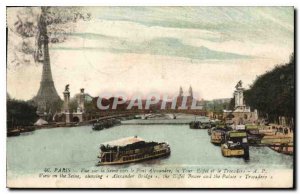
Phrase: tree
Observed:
(273, 93)
(231, 104)
(216, 106)
(20, 113)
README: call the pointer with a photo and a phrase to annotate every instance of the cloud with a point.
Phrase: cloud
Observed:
(239, 23)
(174, 47)
(158, 46)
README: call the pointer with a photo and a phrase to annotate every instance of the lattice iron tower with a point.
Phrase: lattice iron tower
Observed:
(47, 98)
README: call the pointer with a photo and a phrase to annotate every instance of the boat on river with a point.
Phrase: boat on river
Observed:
(279, 138)
(131, 149)
(235, 145)
(200, 125)
(27, 129)
(20, 130)
(98, 126)
(217, 134)
(13, 132)
(283, 148)
(254, 135)
(108, 123)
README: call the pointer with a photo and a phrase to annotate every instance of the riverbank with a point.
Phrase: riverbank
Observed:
(24, 129)
(161, 119)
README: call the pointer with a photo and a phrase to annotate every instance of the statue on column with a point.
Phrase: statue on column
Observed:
(67, 88)
(66, 99)
(239, 84)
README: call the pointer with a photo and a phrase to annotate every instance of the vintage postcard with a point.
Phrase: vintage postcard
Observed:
(150, 97)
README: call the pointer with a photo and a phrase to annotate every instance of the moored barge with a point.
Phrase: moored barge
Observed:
(236, 145)
(218, 134)
(13, 132)
(131, 149)
(283, 148)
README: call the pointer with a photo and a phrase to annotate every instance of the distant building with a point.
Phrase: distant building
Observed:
(185, 100)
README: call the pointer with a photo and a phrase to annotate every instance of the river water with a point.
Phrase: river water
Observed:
(78, 147)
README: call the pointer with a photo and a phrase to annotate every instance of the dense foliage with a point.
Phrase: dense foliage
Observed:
(273, 93)
(231, 103)
(20, 113)
(216, 106)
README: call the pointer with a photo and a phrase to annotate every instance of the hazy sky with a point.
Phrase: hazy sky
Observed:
(159, 49)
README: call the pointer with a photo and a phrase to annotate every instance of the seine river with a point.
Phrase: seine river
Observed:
(78, 147)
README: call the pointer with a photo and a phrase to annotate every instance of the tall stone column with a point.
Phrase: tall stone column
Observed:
(81, 100)
(66, 101)
(67, 104)
(239, 99)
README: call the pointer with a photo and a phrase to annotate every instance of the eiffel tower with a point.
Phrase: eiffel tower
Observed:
(47, 99)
